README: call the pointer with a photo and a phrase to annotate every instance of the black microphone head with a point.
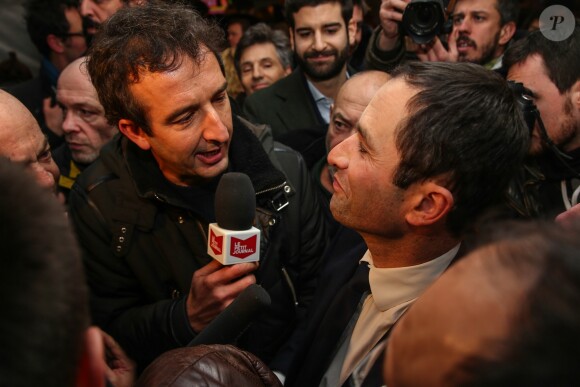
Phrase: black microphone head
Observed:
(235, 202)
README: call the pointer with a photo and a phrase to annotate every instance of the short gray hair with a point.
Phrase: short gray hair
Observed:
(262, 33)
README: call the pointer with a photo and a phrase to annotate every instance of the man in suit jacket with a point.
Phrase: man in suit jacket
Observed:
(410, 185)
(320, 32)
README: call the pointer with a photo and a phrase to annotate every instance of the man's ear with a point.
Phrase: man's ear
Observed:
(430, 203)
(575, 96)
(506, 32)
(134, 133)
(55, 43)
(291, 34)
(288, 70)
(91, 368)
(351, 32)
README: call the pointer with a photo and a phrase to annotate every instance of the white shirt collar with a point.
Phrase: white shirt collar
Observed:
(393, 286)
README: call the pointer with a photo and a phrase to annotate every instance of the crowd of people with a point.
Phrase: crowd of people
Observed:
(417, 197)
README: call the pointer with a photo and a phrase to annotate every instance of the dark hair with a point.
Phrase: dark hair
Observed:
(46, 17)
(509, 11)
(155, 37)
(543, 348)
(560, 58)
(43, 295)
(262, 33)
(463, 125)
(293, 6)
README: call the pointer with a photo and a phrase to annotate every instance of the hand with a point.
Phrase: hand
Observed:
(390, 15)
(120, 370)
(52, 116)
(434, 51)
(213, 288)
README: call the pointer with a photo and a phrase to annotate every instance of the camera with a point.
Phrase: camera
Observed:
(425, 19)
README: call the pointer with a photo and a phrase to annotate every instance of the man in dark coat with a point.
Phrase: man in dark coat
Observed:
(320, 31)
(142, 209)
(411, 186)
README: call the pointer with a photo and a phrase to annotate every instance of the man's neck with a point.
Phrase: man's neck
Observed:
(329, 88)
(408, 250)
(59, 61)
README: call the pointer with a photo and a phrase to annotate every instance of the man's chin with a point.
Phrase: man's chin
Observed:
(209, 172)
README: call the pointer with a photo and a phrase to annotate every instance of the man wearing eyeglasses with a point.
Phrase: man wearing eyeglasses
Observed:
(55, 28)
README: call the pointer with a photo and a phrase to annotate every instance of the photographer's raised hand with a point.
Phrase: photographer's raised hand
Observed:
(435, 51)
(390, 15)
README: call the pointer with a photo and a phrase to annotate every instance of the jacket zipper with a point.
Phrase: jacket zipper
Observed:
(271, 189)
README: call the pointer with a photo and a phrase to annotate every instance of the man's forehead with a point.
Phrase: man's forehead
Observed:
(263, 49)
(74, 77)
(320, 12)
(394, 94)
(464, 6)
(14, 115)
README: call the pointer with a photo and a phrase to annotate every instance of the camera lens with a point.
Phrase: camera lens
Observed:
(423, 19)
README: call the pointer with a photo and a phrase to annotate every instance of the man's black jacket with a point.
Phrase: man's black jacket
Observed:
(142, 242)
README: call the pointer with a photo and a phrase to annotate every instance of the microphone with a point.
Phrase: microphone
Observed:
(233, 320)
(233, 239)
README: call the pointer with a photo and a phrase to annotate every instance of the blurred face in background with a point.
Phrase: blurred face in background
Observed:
(234, 32)
(95, 12)
(260, 66)
(85, 127)
(320, 40)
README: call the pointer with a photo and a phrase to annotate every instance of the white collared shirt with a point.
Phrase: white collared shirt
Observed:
(393, 290)
(323, 103)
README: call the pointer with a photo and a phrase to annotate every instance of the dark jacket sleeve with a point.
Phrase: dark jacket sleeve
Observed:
(119, 304)
(306, 219)
(376, 59)
(250, 111)
(312, 238)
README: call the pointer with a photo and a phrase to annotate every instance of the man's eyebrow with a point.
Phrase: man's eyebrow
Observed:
(176, 114)
(364, 135)
(45, 144)
(337, 24)
(471, 12)
(340, 116)
(221, 90)
(193, 107)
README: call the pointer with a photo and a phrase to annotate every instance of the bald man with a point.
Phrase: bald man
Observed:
(85, 127)
(22, 141)
(352, 99)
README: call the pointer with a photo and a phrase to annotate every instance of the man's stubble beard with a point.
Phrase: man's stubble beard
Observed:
(341, 58)
(487, 54)
(569, 130)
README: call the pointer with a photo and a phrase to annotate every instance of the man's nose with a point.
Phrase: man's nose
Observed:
(214, 129)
